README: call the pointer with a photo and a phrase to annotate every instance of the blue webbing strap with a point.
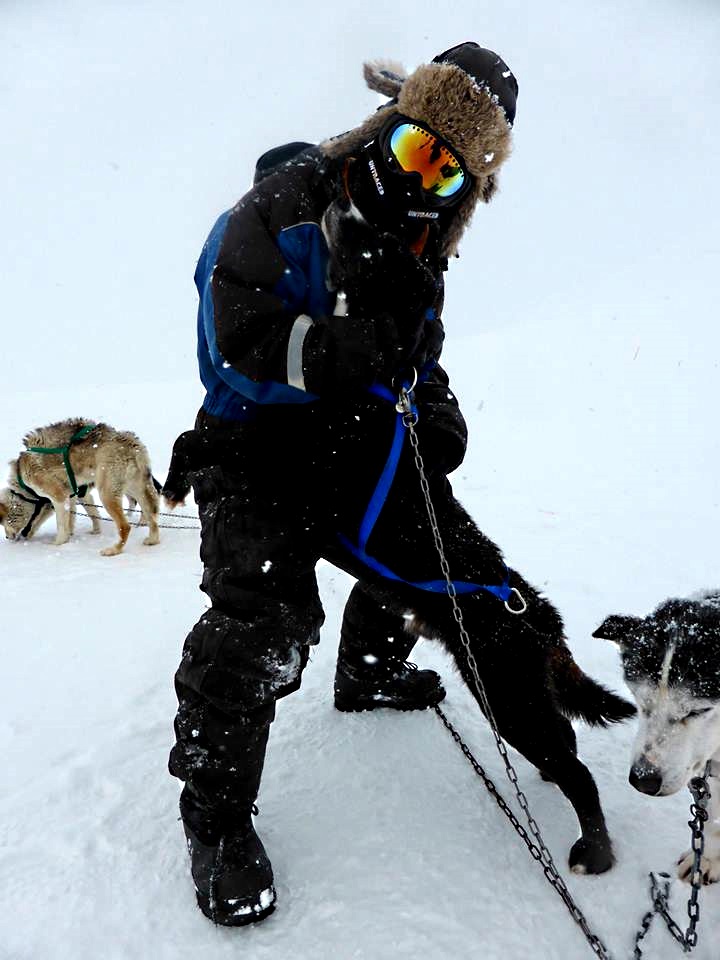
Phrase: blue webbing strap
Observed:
(377, 501)
(503, 592)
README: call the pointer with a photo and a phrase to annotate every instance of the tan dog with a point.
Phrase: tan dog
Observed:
(62, 459)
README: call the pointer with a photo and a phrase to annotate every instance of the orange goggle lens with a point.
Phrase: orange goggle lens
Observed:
(418, 151)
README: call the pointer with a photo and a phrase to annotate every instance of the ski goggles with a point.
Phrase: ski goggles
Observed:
(416, 150)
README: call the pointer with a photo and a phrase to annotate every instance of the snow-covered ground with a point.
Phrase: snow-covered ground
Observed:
(583, 343)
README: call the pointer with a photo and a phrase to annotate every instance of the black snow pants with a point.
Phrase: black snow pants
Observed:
(273, 500)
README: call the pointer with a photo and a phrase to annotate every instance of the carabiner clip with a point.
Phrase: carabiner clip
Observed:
(404, 401)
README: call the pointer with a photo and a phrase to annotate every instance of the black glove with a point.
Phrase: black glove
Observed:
(441, 427)
(379, 275)
(388, 292)
(351, 352)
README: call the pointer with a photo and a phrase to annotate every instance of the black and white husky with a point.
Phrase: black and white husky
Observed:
(671, 661)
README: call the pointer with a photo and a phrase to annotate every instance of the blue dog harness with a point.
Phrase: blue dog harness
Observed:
(377, 502)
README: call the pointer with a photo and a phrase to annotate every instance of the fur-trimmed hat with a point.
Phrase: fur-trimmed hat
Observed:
(467, 95)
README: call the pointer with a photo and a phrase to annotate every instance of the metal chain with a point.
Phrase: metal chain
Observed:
(538, 848)
(172, 513)
(136, 523)
(700, 791)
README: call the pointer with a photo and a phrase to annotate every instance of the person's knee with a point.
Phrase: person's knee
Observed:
(241, 665)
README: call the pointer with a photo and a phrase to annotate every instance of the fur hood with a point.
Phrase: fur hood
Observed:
(467, 95)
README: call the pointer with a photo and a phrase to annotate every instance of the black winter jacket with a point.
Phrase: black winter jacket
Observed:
(274, 335)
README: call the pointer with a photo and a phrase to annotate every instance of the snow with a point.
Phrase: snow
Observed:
(582, 341)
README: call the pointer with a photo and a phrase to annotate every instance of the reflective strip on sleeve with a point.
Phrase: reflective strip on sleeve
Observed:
(298, 333)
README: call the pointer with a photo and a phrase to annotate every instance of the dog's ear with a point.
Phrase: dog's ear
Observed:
(616, 628)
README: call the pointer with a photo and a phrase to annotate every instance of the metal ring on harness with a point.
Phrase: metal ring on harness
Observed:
(523, 608)
(405, 387)
(410, 418)
(404, 403)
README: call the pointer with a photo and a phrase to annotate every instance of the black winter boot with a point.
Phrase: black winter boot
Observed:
(391, 683)
(231, 871)
(372, 667)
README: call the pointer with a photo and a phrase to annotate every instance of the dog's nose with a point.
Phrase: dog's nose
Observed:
(646, 778)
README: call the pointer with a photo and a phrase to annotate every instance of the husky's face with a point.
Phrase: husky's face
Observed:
(677, 734)
(16, 514)
(671, 662)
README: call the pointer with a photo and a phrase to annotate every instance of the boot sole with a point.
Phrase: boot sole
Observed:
(363, 704)
(228, 918)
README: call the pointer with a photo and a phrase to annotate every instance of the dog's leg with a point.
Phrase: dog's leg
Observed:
(150, 504)
(710, 863)
(113, 504)
(528, 720)
(552, 755)
(132, 505)
(63, 520)
(570, 740)
(512, 663)
(90, 508)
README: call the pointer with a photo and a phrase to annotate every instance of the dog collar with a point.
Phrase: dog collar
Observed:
(37, 501)
(23, 486)
(39, 504)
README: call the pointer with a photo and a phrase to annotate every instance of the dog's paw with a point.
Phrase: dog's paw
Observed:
(59, 541)
(111, 551)
(151, 539)
(709, 867)
(586, 857)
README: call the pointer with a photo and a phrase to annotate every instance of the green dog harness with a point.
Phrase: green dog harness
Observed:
(64, 452)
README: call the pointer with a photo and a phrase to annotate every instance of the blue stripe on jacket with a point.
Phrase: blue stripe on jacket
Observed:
(302, 289)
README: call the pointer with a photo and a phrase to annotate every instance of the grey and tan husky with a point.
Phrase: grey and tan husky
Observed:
(60, 462)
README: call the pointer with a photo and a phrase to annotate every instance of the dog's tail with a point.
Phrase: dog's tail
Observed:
(581, 697)
(177, 482)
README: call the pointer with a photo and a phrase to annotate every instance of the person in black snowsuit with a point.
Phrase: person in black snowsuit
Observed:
(320, 298)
